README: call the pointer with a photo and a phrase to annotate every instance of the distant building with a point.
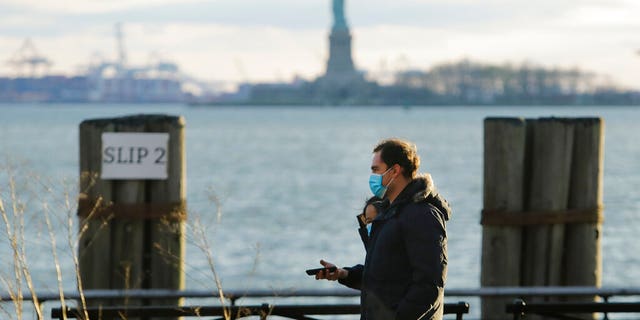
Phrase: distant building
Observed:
(44, 89)
(111, 82)
(158, 82)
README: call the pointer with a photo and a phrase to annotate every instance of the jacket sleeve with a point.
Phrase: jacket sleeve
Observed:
(354, 279)
(426, 242)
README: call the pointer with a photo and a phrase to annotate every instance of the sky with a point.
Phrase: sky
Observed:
(275, 40)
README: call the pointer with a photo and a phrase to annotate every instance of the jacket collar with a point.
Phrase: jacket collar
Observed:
(420, 189)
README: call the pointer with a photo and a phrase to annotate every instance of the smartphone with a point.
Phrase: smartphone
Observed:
(313, 272)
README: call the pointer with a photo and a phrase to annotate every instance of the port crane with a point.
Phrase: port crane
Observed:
(27, 57)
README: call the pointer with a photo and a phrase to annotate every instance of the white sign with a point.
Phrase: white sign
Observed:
(134, 155)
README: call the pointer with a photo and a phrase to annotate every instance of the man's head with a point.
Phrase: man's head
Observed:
(393, 152)
(394, 165)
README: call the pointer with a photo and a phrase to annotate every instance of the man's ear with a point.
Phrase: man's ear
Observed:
(397, 169)
(400, 170)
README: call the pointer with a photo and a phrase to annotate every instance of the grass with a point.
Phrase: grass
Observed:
(13, 216)
(28, 203)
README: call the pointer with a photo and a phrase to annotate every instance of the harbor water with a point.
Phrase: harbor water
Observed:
(276, 189)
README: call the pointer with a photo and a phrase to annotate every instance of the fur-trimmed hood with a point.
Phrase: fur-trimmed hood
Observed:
(422, 189)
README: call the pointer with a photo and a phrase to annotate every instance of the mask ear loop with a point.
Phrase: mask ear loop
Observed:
(386, 188)
(388, 184)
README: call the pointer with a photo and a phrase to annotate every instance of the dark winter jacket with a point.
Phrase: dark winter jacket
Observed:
(405, 267)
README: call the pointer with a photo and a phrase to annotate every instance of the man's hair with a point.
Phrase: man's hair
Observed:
(403, 153)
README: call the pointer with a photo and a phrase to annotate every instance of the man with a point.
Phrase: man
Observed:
(405, 267)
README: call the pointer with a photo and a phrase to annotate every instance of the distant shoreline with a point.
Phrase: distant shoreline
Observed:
(296, 105)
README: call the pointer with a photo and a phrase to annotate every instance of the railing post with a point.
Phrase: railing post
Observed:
(518, 309)
(464, 308)
(264, 311)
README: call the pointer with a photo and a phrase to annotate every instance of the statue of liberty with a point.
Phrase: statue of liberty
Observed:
(340, 72)
(339, 21)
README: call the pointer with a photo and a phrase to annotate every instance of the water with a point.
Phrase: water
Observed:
(290, 181)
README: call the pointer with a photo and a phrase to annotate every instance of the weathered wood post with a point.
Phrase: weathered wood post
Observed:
(583, 258)
(504, 167)
(550, 176)
(132, 204)
(561, 206)
(94, 247)
(166, 235)
(127, 230)
(583, 261)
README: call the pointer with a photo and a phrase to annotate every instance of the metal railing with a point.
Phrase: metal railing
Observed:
(232, 296)
(341, 292)
(563, 310)
(264, 311)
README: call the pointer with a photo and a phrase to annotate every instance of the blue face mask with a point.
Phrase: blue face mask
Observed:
(369, 229)
(375, 184)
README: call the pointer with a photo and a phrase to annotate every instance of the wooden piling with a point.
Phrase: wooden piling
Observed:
(549, 176)
(583, 261)
(166, 235)
(561, 211)
(504, 155)
(127, 232)
(95, 230)
(583, 257)
(132, 229)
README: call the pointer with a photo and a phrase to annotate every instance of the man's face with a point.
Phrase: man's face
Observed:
(377, 165)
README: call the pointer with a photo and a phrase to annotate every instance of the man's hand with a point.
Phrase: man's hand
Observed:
(331, 276)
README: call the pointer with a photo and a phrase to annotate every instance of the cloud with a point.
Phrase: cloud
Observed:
(239, 53)
(65, 15)
(86, 6)
(605, 17)
(457, 14)
(262, 40)
(208, 51)
(551, 44)
(72, 13)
